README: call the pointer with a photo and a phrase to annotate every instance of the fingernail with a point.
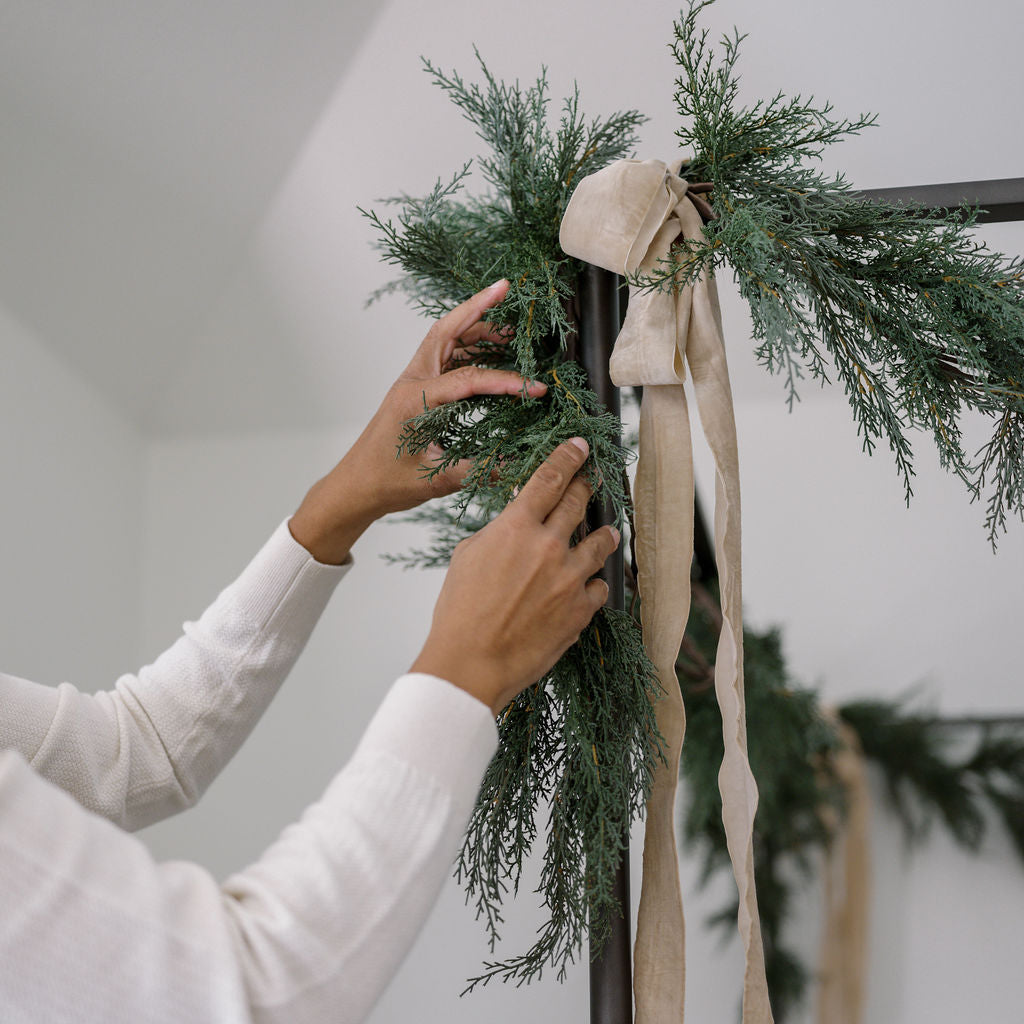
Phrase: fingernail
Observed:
(497, 284)
(581, 444)
(616, 536)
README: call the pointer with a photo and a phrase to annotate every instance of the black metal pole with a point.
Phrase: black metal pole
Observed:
(611, 975)
(1000, 199)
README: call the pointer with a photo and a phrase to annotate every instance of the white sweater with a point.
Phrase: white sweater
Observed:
(93, 929)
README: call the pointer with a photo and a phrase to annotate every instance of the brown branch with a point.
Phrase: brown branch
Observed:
(701, 672)
(702, 597)
(694, 193)
(630, 569)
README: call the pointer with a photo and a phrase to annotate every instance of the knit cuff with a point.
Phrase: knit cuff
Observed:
(439, 730)
(284, 585)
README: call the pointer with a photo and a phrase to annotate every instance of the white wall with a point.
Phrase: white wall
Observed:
(70, 521)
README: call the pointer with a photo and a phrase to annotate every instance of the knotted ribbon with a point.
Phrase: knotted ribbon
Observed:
(625, 218)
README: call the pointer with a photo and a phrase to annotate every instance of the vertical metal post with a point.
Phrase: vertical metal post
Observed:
(611, 976)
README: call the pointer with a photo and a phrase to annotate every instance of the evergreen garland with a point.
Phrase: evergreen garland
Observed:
(930, 777)
(918, 320)
(580, 744)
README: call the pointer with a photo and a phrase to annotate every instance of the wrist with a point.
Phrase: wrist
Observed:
(480, 679)
(331, 518)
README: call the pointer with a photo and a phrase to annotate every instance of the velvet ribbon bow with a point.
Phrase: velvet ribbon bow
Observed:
(625, 218)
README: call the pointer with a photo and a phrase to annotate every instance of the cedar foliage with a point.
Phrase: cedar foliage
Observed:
(579, 746)
(920, 322)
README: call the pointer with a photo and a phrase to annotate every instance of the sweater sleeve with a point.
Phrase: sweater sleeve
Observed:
(149, 747)
(94, 930)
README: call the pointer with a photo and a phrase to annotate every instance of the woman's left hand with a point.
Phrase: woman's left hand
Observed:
(370, 481)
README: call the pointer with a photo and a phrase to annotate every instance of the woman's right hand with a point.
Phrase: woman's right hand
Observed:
(374, 477)
(517, 596)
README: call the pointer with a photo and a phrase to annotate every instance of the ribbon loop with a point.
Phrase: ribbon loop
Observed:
(625, 218)
(614, 213)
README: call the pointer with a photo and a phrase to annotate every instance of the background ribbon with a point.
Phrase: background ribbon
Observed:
(847, 872)
(625, 218)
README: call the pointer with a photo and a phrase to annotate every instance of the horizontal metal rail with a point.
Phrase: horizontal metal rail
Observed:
(999, 199)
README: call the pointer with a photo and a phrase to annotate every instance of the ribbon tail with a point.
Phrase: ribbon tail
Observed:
(663, 501)
(705, 352)
(626, 217)
(847, 880)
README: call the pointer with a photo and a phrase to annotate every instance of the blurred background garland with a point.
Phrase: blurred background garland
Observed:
(958, 773)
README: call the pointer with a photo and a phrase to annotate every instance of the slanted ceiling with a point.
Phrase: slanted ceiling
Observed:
(178, 182)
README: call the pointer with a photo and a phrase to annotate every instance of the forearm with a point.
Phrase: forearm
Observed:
(313, 931)
(362, 869)
(150, 746)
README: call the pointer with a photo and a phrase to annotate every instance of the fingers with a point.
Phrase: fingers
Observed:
(461, 351)
(455, 323)
(477, 380)
(544, 490)
(596, 592)
(483, 331)
(570, 510)
(595, 549)
(456, 473)
(440, 341)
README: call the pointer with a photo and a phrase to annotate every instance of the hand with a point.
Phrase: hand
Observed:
(370, 481)
(517, 596)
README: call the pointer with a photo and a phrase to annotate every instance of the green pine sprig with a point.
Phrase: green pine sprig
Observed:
(507, 439)
(450, 245)
(919, 322)
(572, 744)
(930, 779)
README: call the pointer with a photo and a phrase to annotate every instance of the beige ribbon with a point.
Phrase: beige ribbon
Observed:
(625, 218)
(842, 990)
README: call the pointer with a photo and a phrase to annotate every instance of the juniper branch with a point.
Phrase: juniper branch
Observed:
(582, 742)
(450, 245)
(918, 321)
(567, 742)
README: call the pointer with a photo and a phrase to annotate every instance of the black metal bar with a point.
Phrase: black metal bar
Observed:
(999, 199)
(1015, 721)
(705, 567)
(611, 974)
